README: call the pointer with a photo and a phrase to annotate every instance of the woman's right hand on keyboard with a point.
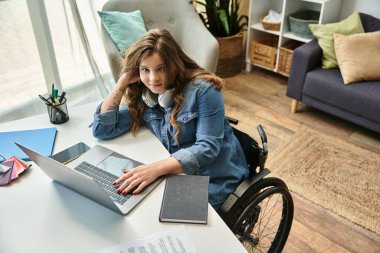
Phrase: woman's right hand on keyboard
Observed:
(141, 176)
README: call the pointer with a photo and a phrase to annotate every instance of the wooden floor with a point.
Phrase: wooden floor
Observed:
(259, 97)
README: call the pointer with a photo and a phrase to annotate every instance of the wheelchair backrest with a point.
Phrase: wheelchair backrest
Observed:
(254, 154)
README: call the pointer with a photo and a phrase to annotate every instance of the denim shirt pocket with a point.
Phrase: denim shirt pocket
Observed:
(188, 123)
(153, 120)
(185, 117)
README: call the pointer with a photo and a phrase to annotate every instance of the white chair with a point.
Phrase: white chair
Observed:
(179, 17)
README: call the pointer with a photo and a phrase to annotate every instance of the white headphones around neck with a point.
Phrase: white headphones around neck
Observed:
(165, 99)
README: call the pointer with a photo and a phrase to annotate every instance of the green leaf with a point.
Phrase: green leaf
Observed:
(223, 18)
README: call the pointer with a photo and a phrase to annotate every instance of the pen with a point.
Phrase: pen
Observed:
(62, 97)
(51, 96)
(55, 101)
(47, 102)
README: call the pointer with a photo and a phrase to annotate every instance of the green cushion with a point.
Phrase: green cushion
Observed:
(325, 36)
(125, 28)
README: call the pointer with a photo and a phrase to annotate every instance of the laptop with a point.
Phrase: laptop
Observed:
(92, 174)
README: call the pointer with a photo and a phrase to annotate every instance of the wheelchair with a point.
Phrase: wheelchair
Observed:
(260, 211)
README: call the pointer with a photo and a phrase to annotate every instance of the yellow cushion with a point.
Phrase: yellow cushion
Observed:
(358, 56)
(325, 34)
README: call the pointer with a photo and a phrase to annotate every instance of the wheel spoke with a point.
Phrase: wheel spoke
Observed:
(264, 226)
(269, 216)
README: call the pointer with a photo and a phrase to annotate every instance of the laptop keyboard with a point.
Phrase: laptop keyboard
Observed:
(104, 178)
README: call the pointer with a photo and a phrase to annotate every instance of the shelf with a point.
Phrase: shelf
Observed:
(329, 13)
(291, 35)
(259, 27)
(263, 67)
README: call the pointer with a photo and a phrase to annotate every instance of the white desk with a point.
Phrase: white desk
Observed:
(39, 215)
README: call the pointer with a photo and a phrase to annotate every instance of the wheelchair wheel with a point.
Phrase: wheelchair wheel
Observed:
(264, 224)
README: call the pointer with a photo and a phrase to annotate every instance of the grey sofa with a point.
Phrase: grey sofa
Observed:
(324, 88)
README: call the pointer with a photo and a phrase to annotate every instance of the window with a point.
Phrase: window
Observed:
(27, 66)
(21, 74)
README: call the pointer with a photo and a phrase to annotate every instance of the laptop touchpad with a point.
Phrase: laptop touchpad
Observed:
(115, 163)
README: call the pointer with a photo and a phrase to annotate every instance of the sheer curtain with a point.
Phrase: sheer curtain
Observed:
(73, 29)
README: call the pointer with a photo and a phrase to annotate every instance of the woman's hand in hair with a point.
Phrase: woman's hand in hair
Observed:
(141, 176)
(112, 101)
(126, 79)
(129, 77)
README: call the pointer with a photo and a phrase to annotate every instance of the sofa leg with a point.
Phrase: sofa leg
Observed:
(294, 106)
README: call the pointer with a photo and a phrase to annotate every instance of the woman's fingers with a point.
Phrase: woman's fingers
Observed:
(128, 185)
(135, 180)
(123, 177)
(140, 188)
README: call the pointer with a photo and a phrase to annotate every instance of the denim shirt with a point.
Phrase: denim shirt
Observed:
(206, 145)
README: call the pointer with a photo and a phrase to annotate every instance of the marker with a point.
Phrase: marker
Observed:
(52, 89)
(54, 92)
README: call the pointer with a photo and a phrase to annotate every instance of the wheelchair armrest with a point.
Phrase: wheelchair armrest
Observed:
(238, 196)
(247, 183)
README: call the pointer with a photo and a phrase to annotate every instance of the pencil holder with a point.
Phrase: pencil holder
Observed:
(58, 113)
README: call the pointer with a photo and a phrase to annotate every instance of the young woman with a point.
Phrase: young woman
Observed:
(182, 105)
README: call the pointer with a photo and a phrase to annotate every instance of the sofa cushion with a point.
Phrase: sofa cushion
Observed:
(370, 23)
(325, 33)
(326, 85)
(352, 53)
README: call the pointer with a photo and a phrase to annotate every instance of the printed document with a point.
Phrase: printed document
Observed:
(169, 241)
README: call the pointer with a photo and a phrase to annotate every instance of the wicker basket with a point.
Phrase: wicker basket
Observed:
(299, 22)
(270, 25)
(263, 52)
(286, 56)
(231, 59)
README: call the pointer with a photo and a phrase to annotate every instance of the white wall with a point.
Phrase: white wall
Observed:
(371, 7)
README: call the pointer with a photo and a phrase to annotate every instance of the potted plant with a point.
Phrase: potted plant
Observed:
(222, 19)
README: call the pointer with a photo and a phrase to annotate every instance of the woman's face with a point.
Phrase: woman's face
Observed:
(152, 73)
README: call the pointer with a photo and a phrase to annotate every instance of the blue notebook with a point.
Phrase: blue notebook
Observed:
(41, 140)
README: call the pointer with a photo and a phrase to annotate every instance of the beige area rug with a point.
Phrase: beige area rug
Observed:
(334, 174)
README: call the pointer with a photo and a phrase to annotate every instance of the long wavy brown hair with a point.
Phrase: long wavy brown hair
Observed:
(179, 70)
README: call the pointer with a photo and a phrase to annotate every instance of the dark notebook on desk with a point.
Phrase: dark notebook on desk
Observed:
(185, 199)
